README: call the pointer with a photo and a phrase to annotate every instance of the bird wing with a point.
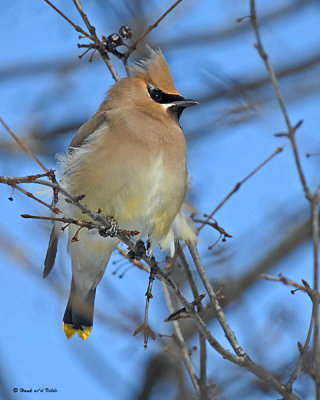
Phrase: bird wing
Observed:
(51, 253)
(80, 138)
(87, 129)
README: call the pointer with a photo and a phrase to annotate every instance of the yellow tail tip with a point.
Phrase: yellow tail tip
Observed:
(70, 330)
(84, 332)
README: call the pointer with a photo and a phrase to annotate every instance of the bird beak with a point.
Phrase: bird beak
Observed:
(186, 103)
(176, 107)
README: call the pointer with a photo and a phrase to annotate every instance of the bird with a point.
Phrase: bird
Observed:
(129, 162)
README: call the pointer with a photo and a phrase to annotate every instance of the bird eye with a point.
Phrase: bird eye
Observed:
(156, 95)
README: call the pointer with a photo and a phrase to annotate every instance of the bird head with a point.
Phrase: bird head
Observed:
(151, 89)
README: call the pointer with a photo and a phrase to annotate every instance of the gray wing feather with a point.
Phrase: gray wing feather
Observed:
(79, 139)
(51, 253)
(87, 129)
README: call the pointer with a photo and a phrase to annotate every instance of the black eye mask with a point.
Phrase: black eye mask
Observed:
(161, 97)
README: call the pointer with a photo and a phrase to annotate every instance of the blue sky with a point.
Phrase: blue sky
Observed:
(110, 364)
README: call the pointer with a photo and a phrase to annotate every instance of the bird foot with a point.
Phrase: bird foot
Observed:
(112, 231)
(138, 251)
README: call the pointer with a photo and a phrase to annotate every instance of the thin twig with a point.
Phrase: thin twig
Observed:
(83, 224)
(312, 198)
(145, 328)
(126, 67)
(24, 179)
(241, 360)
(188, 272)
(264, 56)
(91, 35)
(200, 323)
(23, 145)
(99, 45)
(214, 225)
(305, 287)
(291, 128)
(150, 28)
(182, 344)
(238, 185)
(182, 313)
(220, 314)
(54, 209)
(203, 367)
(316, 335)
(303, 352)
(76, 27)
(95, 216)
(202, 339)
(79, 7)
(244, 360)
(132, 260)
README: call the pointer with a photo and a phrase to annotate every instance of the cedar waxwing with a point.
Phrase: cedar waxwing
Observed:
(129, 160)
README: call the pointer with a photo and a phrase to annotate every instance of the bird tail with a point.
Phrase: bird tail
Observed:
(78, 317)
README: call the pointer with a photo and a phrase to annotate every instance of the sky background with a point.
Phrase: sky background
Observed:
(44, 85)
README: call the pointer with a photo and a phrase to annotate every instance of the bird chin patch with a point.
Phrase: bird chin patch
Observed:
(175, 110)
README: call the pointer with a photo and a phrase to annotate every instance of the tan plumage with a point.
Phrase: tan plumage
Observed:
(129, 160)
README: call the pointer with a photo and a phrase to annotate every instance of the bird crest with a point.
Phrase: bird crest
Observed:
(155, 70)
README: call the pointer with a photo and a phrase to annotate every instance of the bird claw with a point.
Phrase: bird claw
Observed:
(138, 251)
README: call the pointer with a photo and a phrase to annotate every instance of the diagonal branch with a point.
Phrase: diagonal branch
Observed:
(182, 344)
(291, 128)
(98, 44)
(28, 194)
(76, 27)
(202, 339)
(23, 145)
(239, 184)
(241, 359)
(312, 198)
(215, 302)
(150, 28)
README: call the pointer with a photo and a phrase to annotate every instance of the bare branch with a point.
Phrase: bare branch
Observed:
(241, 360)
(91, 35)
(23, 145)
(214, 225)
(28, 194)
(82, 224)
(238, 185)
(215, 302)
(98, 43)
(151, 27)
(312, 198)
(79, 7)
(76, 27)
(315, 239)
(145, 328)
(291, 128)
(305, 287)
(182, 344)
(303, 351)
(182, 313)
(202, 339)
(132, 260)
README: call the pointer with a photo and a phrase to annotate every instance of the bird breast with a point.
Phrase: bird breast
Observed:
(138, 181)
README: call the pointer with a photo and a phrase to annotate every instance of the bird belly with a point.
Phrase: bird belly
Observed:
(142, 193)
(150, 202)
